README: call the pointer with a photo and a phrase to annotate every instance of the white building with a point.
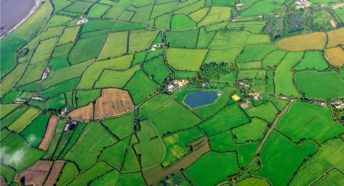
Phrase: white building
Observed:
(45, 73)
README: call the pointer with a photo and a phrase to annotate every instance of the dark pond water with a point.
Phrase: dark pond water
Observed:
(12, 12)
(200, 98)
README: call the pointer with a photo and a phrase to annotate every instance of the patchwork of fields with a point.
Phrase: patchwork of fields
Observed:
(97, 92)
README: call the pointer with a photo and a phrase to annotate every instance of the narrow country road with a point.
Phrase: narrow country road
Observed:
(274, 125)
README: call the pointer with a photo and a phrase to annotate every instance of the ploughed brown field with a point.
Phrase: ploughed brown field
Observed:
(49, 133)
(83, 113)
(55, 172)
(36, 174)
(113, 102)
(41, 173)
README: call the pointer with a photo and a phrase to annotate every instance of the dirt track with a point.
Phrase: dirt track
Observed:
(49, 133)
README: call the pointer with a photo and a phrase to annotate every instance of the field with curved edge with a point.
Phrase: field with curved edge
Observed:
(174, 92)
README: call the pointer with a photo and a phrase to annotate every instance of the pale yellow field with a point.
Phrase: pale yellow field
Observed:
(335, 56)
(335, 38)
(313, 41)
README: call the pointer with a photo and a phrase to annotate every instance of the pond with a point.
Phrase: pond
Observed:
(200, 98)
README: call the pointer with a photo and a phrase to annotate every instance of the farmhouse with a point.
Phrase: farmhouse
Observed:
(156, 46)
(176, 84)
(20, 101)
(255, 95)
(301, 4)
(45, 73)
(36, 98)
(83, 20)
(239, 6)
(70, 126)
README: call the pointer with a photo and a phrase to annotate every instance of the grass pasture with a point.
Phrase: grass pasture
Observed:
(115, 45)
(281, 158)
(92, 73)
(265, 111)
(35, 131)
(69, 35)
(327, 158)
(216, 15)
(140, 87)
(141, 40)
(186, 59)
(86, 49)
(223, 142)
(93, 139)
(255, 52)
(152, 152)
(156, 69)
(24, 120)
(246, 153)
(116, 79)
(163, 106)
(312, 60)
(98, 10)
(95, 171)
(182, 39)
(273, 58)
(261, 8)
(176, 145)
(17, 153)
(229, 117)
(320, 85)
(182, 22)
(213, 166)
(252, 131)
(122, 126)
(119, 149)
(163, 139)
(284, 76)
(311, 121)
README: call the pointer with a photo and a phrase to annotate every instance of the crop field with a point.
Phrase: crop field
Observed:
(174, 92)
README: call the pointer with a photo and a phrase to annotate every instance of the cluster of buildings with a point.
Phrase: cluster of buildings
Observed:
(156, 46)
(70, 126)
(301, 4)
(45, 73)
(176, 84)
(82, 20)
(339, 105)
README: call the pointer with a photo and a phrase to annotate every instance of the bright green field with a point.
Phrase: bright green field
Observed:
(320, 85)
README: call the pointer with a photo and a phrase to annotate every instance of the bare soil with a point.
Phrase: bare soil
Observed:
(49, 133)
(113, 102)
(54, 173)
(83, 113)
(36, 174)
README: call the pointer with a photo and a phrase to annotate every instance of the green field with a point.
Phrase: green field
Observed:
(316, 123)
(267, 86)
(309, 83)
